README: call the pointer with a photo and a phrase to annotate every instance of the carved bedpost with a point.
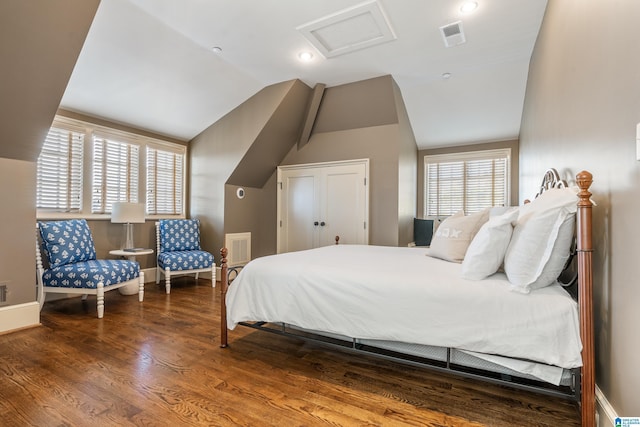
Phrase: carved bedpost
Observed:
(223, 297)
(585, 298)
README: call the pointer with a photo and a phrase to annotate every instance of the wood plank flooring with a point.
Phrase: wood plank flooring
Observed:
(158, 363)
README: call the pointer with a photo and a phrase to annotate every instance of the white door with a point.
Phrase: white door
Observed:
(299, 210)
(318, 202)
(342, 205)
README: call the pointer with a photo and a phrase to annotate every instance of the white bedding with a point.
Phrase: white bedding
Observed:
(400, 294)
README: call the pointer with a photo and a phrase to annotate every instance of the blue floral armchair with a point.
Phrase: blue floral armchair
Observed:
(179, 251)
(71, 266)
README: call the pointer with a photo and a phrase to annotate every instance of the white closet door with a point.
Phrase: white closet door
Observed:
(300, 210)
(318, 202)
(342, 205)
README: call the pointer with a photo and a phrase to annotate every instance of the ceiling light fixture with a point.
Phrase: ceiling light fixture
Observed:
(468, 6)
(216, 49)
(446, 76)
(305, 56)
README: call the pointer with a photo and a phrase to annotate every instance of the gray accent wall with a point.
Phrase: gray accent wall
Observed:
(581, 109)
(225, 149)
(17, 251)
(37, 61)
(367, 119)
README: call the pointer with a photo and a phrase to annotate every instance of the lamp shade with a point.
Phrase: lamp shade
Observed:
(127, 213)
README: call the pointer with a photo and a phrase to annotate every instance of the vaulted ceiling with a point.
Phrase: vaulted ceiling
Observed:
(150, 64)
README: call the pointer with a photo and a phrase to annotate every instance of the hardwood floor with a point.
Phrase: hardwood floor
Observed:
(158, 363)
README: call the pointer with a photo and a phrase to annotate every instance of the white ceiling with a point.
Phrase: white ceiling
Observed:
(149, 63)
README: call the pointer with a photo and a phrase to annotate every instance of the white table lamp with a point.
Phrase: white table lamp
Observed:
(127, 214)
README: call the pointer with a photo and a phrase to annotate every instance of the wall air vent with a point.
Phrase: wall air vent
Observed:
(3, 293)
(239, 247)
(452, 34)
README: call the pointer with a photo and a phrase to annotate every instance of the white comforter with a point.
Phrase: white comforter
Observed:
(400, 294)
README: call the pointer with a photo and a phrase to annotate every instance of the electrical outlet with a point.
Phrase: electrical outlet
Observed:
(3, 292)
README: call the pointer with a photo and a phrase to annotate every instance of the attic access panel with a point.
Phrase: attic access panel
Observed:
(358, 27)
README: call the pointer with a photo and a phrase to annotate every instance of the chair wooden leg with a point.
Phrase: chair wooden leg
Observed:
(157, 275)
(167, 277)
(100, 300)
(213, 275)
(141, 287)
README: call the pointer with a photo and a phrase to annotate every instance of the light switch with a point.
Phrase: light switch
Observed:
(638, 141)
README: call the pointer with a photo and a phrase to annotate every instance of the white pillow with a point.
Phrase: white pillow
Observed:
(486, 251)
(454, 235)
(541, 240)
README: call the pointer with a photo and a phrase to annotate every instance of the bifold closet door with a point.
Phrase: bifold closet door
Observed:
(299, 209)
(319, 202)
(342, 205)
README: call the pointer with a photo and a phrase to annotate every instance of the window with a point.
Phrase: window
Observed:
(84, 168)
(115, 173)
(468, 181)
(59, 171)
(164, 181)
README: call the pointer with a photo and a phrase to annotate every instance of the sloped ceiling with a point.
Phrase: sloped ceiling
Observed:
(37, 60)
(150, 64)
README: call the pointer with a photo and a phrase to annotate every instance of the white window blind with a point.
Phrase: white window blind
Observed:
(115, 173)
(165, 172)
(59, 171)
(468, 181)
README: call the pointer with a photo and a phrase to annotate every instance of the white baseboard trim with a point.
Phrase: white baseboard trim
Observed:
(19, 316)
(604, 408)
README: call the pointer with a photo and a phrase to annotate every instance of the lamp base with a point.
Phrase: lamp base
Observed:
(128, 236)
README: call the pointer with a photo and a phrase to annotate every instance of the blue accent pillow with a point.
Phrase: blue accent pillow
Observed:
(179, 235)
(66, 242)
(422, 231)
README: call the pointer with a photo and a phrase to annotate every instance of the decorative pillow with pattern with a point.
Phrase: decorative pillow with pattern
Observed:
(455, 234)
(66, 242)
(179, 235)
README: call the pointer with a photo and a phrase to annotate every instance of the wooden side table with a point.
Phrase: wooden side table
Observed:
(131, 289)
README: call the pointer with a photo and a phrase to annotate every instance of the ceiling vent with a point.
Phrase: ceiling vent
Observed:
(452, 34)
(357, 27)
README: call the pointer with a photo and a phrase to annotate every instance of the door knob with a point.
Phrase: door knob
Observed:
(322, 224)
(315, 223)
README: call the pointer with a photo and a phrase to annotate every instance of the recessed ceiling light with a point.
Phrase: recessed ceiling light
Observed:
(305, 56)
(468, 6)
(216, 49)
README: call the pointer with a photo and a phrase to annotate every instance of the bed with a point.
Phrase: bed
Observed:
(411, 305)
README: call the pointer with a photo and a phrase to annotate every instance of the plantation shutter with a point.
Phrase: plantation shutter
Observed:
(165, 171)
(466, 181)
(115, 173)
(59, 171)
